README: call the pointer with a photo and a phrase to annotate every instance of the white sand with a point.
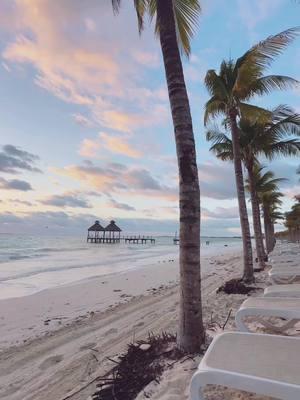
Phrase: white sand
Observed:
(54, 343)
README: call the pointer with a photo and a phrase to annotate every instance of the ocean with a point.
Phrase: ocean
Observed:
(29, 264)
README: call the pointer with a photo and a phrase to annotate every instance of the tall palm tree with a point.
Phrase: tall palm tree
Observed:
(292, 222)
(266, 186)
(175, 24)
(270, 204)
(237, 82)
(270, 139)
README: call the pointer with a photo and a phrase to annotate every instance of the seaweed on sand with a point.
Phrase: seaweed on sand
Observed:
(236, 286)
(143, 363)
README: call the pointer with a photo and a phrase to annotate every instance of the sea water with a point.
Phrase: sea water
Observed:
(29, 264)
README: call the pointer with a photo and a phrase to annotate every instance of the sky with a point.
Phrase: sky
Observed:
(86, 130)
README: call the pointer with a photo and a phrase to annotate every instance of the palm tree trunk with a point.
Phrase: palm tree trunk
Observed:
(256, 219)
(191, 331)
(268, 229)
(248, 275)
(273, 240)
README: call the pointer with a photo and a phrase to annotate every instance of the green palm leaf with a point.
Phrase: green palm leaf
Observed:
(254, 113)
(252, 64)
(213, 108)
(267, 84)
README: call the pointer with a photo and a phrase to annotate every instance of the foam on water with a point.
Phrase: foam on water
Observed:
(30, 264)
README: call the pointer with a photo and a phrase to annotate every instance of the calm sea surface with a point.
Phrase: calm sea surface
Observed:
(29, 264)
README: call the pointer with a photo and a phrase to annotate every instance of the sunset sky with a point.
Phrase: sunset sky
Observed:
(85, 125)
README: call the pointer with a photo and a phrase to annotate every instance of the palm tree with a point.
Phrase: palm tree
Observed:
(175, 23)
(270, 139)
(270, 204)
(292, 222)
(236, 83)
(266, 187)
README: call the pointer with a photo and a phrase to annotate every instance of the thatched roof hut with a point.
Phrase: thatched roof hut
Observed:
(96, 227)
(112, 227)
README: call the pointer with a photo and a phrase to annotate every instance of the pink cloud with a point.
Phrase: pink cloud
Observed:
(79, 60)
(89, 148)
(119, 179)
(116, 145)
(119, 146)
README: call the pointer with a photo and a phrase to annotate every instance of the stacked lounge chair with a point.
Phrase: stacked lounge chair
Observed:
(259, 363)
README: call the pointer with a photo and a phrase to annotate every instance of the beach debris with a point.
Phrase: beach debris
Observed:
(145, 346)
(236, 286)
(143, 363)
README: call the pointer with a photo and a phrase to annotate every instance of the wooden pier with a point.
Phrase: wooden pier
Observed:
(126, 239)
(108, 240)
(112, 234)
(139, 239)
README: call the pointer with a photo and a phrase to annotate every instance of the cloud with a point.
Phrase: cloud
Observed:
(118, 146)
(292, 192)
(59, 222)
(217, 180)
(221, 213)
(82, 120)
(147, 59)
(15, 184)
(84, 62)
(285, 169)
(66, 200)
(121, 206)
(113, 144)
(13, 160)
(119, 178)
(256, 11)
(21, 202)
(89, 148)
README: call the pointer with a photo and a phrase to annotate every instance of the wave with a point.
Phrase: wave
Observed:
(58, 250)
(45, 270)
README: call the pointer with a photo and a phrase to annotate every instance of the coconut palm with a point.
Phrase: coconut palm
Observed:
(270, 139)
(175, 24)
(230, 90)
(292, 222)
(266, 187)
(270, 204)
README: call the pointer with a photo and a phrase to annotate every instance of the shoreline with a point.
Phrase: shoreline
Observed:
(55, 359)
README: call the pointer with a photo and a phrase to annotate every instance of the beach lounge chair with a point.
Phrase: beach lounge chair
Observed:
(263, 364)
(283, 275)
(266, 307)
(292, 290)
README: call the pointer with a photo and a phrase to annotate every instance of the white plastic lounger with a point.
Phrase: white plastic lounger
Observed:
(263, 364)
(266, 307)
(292, 290)
(284, 275)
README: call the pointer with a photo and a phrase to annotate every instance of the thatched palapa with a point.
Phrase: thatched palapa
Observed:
(113, 230)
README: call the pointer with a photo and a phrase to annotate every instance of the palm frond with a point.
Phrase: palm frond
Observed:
(116, 4)
(214, 135)
(213, 108)
(186, 14)
(285, 122)
(285, 148)
(223, 151)
(254, 113)
(215, 85)
(267, 84)
(261, 55)
(141, 6)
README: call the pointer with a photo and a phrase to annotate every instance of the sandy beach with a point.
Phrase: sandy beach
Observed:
(56, 342)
